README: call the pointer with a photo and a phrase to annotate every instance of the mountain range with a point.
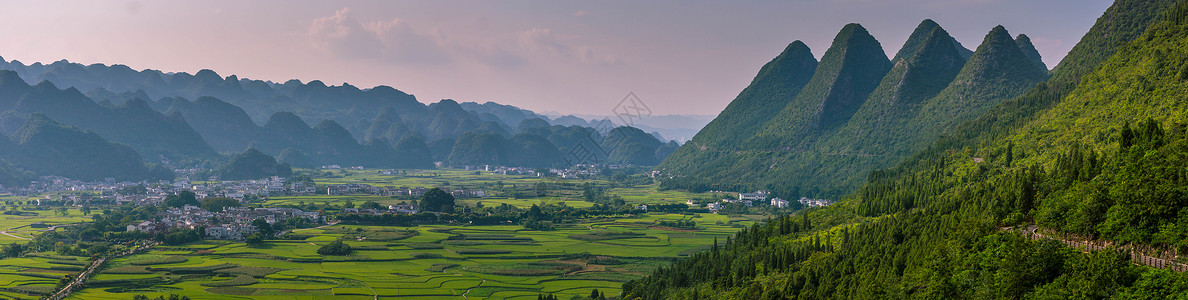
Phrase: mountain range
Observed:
(1000, 205)
(808, 128)
(153, 120)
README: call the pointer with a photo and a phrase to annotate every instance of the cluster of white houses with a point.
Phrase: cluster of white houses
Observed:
(356, 188)
(578, 171)
(392, 209)
(749, 199)
(233, 223)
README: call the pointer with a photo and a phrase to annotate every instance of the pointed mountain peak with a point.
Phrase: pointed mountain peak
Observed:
(778, 82)
(796, 48)
(999, 44)
(999, 32)
(999, 58)
(284, 119)
(10, 79)
(852, 33)
(208, 75)
(851, 69)
(1028, 49)
(796, 58)
(922, 32)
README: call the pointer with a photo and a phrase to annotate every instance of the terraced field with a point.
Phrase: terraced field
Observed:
(425, 262)
(35, 274)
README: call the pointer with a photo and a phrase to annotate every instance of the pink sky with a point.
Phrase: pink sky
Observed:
(570, 57)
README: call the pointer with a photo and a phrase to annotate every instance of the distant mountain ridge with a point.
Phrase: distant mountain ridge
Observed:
(378, 127)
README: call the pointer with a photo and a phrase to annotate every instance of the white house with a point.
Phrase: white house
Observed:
(756, 196)
(779, 203)
(714, 206)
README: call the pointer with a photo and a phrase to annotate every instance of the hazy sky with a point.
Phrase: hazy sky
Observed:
(688, 57)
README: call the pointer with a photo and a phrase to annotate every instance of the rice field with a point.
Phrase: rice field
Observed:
(424, 262)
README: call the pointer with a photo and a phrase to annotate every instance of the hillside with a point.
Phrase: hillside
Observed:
(930, 89)
(1097, 162)
(133, 123)
(847, 73)
(47, 147)
(778, 82)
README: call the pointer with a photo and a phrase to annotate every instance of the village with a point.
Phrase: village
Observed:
(232, 223)
(750, 199)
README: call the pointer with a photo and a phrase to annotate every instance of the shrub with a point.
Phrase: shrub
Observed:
(335, 248)
(440, 267)
(427, 255)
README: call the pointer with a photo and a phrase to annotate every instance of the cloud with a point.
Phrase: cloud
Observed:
(581, 13)
(545, 41)
(537, 39)
(391, 41)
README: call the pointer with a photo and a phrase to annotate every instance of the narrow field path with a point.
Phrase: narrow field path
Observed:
(91, 270)
(9, 234)
(471, 288)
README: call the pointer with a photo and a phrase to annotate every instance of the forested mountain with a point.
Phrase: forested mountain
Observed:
(253, 164)
(46, 147)
(773, 88)
(377, 127)
(1096, 152)
(846, 75)
(930, 88)
(133, 123)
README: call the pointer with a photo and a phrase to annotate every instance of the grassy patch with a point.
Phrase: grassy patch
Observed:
(482, 251)
(240, 280)
(528, 269)
(424, 246)
(231, 290)
(440, 267)
(606, 235)
(128, 270)
(250, 271)
(149, 260)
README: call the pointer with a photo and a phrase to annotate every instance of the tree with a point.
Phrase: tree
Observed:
(255, 240)
(63, 211)
(437, 200)
(86, 210)
(263, 227)
(335, 248)
(182, 198)
(370, 205)
(348, 204)
(217, 204)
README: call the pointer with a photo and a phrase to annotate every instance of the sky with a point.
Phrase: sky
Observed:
(571, 57)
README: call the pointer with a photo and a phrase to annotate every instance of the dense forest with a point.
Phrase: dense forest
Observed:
(857, 113)
(1096, 153)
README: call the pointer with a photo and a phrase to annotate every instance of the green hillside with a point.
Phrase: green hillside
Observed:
(47, 147)
(846, 75)
(778, 82)
(1104, 160)
(924, 95)
(1028, 48)
(918, 37)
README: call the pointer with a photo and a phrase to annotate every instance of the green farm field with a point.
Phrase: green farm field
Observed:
(422, 262)
(425, 262)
